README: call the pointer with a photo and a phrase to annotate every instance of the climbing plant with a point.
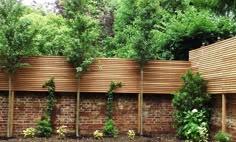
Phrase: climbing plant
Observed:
(109, 128)
(110, 93)
(45, 128)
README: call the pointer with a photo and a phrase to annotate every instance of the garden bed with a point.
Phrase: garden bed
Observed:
(120, 138)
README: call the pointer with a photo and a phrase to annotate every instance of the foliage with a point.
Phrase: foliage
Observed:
(189, 29)
(83, 36)
(131, 134)
(98, 135)
(61, 131)
(167, 29)
(113, 86)
(44, 128)
(51, 96)
(15, 37)
(192, 108)
(29, 132)
(52, 33)
(195, 126)
(44, 124)
(110, 129)
(222, 137)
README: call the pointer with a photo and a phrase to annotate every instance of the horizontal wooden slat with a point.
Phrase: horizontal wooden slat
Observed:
(217, 63)
(160, 77)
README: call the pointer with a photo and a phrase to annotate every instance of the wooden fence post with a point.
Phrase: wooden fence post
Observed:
(223, 113)
(12, 112)
(139, 113)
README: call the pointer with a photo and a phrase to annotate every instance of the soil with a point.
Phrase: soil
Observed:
(120, 138)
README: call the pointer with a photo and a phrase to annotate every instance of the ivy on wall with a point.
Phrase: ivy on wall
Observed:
(45, 128)
(109, 128)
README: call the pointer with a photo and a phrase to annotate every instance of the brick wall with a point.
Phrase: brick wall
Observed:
(231, 115)
(158, 113)
(3, 113)
(30, 106)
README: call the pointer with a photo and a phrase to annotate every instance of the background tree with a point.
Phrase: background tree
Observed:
(16, 39)
(52, 33)
(189, 28)
(180, 26)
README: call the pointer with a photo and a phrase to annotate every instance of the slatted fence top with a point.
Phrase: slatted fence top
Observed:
(160, 77)
(217, 64)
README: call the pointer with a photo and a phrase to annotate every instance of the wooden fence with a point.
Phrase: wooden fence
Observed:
(217, 64)
(160, 77)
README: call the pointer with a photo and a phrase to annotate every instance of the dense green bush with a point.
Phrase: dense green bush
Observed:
(44, 129)
(192, 108)
(222, 137)
(110, 129)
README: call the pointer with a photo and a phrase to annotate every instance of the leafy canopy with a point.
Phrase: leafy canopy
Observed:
(16, 38)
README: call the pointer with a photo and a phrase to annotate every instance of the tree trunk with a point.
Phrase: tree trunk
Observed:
(78, 108)
(141, 102)
(9, 106)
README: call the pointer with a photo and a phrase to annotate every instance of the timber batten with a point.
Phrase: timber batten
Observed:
(160, 77)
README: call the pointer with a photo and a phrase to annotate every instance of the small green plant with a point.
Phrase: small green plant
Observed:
(222, 137)
(61, 131)
(131, 134)
(44, 128)
(110, 129)
(29, 132)
(196, 128)
(98, 135)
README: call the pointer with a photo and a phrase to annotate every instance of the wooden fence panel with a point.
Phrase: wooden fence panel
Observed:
(217, 64)
(160, 77)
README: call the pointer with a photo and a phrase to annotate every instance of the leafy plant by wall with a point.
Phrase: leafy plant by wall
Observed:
(44, 124)
(222, 137)
(192, 112)
(109, 128)
(113, 86)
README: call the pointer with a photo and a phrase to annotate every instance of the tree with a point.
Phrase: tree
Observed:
(134, 23)
(83, 42)
(52, 33)
(190, 28)
(15, 43)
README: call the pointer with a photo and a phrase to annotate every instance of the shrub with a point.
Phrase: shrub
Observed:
(98, 135)
(196, 127)
(222, 137)
(61, 131)
(131, 134)
(192, 114)
(29, 132)
(44, 127)
(110, 129)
